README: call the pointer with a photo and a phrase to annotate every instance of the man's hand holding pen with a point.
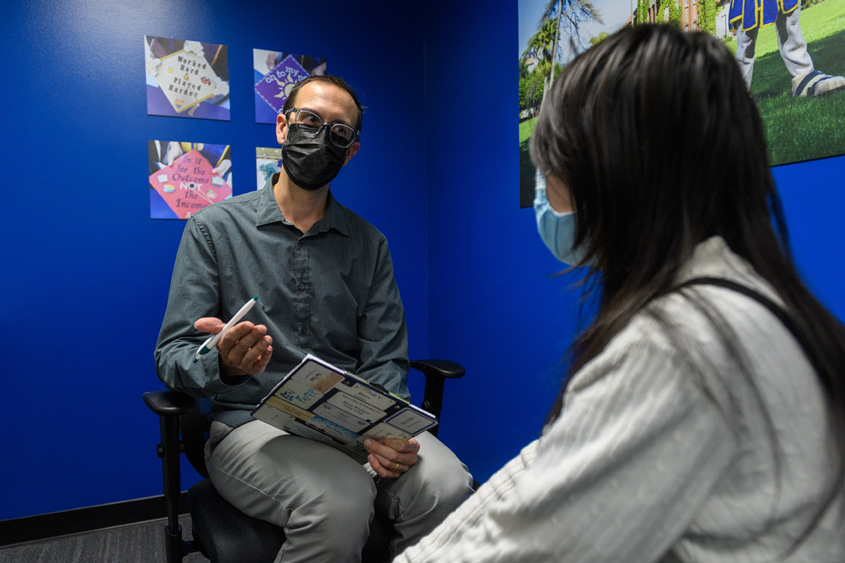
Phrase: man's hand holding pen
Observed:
(245, 349)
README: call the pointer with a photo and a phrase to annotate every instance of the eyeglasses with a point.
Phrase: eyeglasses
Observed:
(310, 123)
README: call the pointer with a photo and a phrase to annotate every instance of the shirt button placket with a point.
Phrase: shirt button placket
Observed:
(303, 309)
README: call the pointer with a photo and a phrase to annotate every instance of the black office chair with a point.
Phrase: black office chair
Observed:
(221, 532)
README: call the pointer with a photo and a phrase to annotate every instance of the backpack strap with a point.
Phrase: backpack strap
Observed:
(778, 311)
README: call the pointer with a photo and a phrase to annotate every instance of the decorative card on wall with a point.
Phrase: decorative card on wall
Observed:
(186, 177)
(275, 73)
(187, 78)
(268, 161)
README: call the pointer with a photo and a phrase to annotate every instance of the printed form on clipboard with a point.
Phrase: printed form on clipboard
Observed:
(319, 401)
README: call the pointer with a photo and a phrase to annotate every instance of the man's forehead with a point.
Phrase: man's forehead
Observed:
(330, 101)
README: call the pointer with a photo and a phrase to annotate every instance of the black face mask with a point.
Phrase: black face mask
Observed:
(311, 161)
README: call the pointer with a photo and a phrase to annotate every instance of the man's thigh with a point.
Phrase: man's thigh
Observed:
(270, 474)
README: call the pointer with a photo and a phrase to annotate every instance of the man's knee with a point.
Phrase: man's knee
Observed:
(448, 484)
(439, 483)
(332, 523)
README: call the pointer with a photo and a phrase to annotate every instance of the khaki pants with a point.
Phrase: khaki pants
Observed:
(323, 498)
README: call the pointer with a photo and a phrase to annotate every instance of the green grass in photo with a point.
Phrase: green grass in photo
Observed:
(526, 167)
(803, 128)
(525, 129)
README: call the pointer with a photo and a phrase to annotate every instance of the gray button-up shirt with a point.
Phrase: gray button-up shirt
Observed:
(329, 292)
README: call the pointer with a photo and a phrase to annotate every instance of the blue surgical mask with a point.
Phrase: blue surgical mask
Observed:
(557, 230)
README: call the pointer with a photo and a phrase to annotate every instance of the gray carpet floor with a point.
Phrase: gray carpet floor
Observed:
(138, 543)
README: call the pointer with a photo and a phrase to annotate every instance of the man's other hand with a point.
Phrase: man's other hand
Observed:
(392, 457)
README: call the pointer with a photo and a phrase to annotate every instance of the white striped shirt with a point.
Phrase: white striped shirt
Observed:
(644, 465)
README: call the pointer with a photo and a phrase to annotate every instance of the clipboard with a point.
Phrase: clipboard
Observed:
(321, 402)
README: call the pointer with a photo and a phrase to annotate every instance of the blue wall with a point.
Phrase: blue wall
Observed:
(86, 271)
(494, 303)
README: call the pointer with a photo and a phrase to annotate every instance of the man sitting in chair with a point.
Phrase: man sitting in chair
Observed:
(325, 283)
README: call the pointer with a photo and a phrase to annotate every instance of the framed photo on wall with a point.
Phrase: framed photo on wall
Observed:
(268, 161)
(186, 177)
(275, 73)
(797, 83)
(187, 78)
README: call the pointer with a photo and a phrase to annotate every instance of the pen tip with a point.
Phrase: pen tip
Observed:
(255, 298)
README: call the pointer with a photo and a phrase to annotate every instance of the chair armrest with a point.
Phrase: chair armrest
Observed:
(169, 403)
(436, 372)
(439, 368)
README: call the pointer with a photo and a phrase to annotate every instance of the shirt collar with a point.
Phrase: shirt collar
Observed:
(714, 258)
(268, 211)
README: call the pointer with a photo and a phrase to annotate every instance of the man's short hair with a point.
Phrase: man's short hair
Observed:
(325, 79)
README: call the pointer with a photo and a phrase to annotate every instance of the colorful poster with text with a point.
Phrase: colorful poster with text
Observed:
(187, 78)
(275, 73)
(186, 177)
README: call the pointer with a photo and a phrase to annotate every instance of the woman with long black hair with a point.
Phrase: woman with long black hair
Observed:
(703, 416)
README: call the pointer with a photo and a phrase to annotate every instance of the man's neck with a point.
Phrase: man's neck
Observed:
(301, 207)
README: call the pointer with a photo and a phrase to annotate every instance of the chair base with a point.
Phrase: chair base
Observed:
(224, 534)
(221, 531)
